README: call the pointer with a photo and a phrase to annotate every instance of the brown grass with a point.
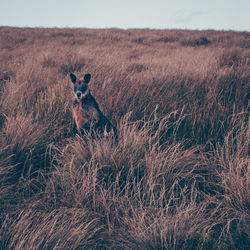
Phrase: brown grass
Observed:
(178, 175)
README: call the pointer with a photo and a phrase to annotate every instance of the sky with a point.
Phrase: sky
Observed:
(125, 14)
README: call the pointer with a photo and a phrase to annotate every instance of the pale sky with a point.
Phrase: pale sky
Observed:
(154, 14)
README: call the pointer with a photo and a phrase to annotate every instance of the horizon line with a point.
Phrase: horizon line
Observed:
(121, 28)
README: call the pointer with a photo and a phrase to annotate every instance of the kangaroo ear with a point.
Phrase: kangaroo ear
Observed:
(87, 78)
(73, 77)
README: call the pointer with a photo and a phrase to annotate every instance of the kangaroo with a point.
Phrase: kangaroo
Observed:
(86, 113)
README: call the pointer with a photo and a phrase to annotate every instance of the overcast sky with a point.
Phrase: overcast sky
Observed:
(154, 14)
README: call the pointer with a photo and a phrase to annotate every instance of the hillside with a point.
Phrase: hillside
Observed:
(178, 175)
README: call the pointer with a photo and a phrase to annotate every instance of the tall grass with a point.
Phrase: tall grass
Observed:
(233, 161)
(177, 177)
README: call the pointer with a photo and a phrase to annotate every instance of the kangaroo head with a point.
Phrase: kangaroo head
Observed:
(81, 89)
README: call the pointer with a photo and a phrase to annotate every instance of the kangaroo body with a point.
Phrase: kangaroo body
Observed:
(86, 113)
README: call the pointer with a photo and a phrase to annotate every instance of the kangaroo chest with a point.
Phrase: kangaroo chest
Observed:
(84, 115)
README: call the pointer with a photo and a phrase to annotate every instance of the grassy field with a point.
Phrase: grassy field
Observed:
(178, 176)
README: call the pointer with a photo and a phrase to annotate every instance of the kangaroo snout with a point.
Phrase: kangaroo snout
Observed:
(78, 94)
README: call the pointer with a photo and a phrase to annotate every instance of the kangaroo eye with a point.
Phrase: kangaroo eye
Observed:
(83, 89)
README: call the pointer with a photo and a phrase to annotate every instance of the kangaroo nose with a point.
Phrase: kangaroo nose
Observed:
(78, 94)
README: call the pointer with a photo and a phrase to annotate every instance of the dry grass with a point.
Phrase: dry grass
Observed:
(178, 175)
